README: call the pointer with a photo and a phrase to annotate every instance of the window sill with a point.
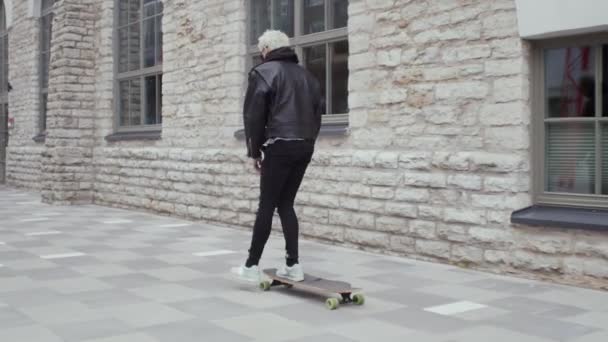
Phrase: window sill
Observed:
(562, 217)
(40, 138)
(331, 130)
(130, 136)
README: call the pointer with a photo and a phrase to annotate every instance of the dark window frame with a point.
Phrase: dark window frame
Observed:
(139, 74)
(300, 41)
(539, 121)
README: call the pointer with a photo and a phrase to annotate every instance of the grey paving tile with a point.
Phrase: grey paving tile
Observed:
(107, 298)
(28, 333)
(211, 308)
(535, 306)
(168, 293)
(133, 337)
(509, 286)
(328, 337)
(62, 313)
(416, 319)
(31, 298)
(414, 299)
(10, 318)
(52, 273)
(129, 281)
(194, 331)
(265, 326)
(146, 314)
(80, 331)
(369, 329)
(551, 329)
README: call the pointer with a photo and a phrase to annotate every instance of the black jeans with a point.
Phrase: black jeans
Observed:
(283, 169)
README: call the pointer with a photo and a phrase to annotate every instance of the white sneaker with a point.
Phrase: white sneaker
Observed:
(250, 274)
(295, 272)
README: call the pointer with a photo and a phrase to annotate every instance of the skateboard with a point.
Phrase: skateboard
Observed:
(317, 285)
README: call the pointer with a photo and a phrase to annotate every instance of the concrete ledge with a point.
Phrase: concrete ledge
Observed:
(326, 130)
(126, 136)
(562, 217)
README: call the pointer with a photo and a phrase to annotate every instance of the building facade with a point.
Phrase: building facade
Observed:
(445, 119)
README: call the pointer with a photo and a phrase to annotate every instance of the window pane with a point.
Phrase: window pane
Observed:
(159, 39)
(340, 13)
(123, 49)
(151, 7)
(570, 82)
(134, 47)
(605, 159)
(339, 78)
(44, 70)
(134, 14)
(316, 57)
(149, 42)
(3, 65)
(44, 99)
(260, 19)
(571, 157)
(283, 16)
(123, 12)
(150, 93)
(604, 81)
(314, 16)
(124, 103)
(47, 5)
(159, 98)
(135, 102)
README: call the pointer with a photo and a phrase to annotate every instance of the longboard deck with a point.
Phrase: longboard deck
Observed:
(313, 283)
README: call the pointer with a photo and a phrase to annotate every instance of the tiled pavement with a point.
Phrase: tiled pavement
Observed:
(96, 274)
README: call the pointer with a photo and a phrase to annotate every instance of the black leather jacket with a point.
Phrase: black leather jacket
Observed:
(283, 100)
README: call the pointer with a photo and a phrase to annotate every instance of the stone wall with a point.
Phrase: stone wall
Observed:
(436, 158)
(23, 154)
(67, 168)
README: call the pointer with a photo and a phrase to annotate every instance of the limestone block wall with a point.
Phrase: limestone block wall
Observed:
(23, 154)
(436, 157)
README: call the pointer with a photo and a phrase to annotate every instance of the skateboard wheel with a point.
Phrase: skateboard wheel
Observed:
(358, 299)
(332, 303)
(265, 285)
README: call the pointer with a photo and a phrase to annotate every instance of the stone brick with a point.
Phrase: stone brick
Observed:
(390, 58)
(510, 89)
(324, 232)
(507, 137)
(496, 257)
(391, 224)
(412, 195)
(401, 209)
(402, 244)
(500, 25)
(423, 229)
(415, 160)
(467, 254)
(433, 180)
(464, 90)
(468, 52)
(464, 181)
(437, 249)
(536, 262)
(502, 114)
(452, 232)
(460, 215)
(367, 238)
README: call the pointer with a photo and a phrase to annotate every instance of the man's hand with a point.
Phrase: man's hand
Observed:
(257, 164)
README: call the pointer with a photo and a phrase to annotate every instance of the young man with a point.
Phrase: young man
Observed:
(282, 117)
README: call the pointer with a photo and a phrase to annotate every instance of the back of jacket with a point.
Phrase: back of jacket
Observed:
(283, 100)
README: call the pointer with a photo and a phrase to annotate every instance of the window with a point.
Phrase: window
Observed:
(317, 30)
(46, 31)
(138, 42)
(572, 122)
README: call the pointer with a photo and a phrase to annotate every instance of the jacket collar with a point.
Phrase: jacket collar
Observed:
(286, 54)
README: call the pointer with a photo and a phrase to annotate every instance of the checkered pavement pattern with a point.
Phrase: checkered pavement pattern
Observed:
(97, 274)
